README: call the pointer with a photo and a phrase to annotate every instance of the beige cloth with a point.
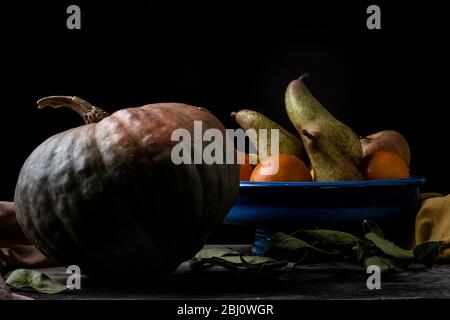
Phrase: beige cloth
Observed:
(433, 221)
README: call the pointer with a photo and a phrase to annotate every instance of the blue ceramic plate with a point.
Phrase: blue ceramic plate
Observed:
(344, 205)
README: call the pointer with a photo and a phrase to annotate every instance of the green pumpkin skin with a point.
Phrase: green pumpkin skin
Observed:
(107, 197)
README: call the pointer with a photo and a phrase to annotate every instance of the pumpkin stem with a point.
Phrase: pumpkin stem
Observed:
(89, 113)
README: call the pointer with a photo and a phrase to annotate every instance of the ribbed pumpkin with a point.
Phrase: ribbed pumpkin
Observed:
(107, 197)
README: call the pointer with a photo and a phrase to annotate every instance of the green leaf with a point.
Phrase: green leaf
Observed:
(229, 265)
(285, 243)
(253, 260)
(234, 261)
(388, 247)
(385, 264)
(40, 282)
(428, 252)
(261, 263)
(381, 262)
(230, 259)
(215, 252)
(291, 265)
(330, 237)
(371, 226)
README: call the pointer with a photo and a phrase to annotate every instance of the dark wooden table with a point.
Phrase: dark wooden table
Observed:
(346, 281)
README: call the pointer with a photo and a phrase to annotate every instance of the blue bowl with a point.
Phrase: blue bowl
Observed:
(344, 205)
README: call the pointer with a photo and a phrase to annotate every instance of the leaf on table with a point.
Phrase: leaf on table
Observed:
(234, 261)
(225, 263)
(284, 243)
(330, 237)
(262, 262)
(291, 265)
(40, 282)
(228, 259)
(428, 252)
(301, 277)
(250, 260)
(215, 252)
(371, 226)
(385, 264)
(389, 247)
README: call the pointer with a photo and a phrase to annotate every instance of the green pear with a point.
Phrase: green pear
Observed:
(386, 140)
(306, 113)
(287, 142)
(327, 161)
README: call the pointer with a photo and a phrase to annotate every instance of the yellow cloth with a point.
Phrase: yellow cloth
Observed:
(433, 221)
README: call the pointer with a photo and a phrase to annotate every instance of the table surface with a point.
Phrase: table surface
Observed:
(344, 281)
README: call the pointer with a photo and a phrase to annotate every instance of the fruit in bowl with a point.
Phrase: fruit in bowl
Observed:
(281, 168)
(386, 140)
(382, 165)
(333, 151)
(325, 176)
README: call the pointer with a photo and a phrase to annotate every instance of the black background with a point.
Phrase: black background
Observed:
(226, 56)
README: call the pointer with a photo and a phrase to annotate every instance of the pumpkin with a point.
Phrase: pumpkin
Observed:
(106, 196)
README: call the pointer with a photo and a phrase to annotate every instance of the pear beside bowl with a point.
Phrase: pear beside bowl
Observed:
(343, 206)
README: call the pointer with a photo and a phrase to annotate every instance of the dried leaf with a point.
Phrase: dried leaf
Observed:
(40, 282)
(234, 261)
(285, 243)
(428, 252)
(215, 252)
(229, 265)
(388, 247)
(261, 263)
(385, 264)
(287, 247)
(330, 237)
(371, 226)
(230, 259)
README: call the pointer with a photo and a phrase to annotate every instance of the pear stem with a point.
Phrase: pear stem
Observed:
(233, 114)
(87, 111)
(303, 76)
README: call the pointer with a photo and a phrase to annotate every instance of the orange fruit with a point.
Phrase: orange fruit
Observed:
(246, 171)
(243, 157)
(245, 163)
(281, 168)
(384, 165)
